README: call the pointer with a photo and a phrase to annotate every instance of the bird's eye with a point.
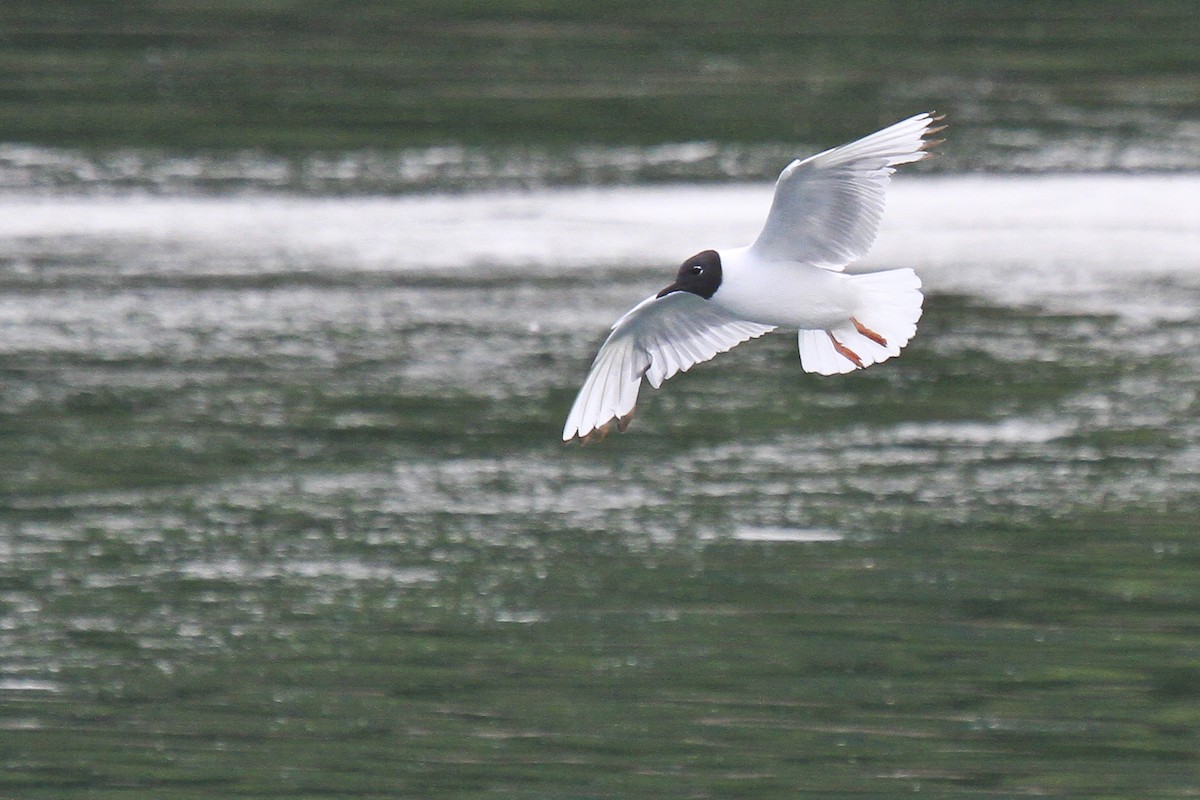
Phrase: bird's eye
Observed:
(696, 269)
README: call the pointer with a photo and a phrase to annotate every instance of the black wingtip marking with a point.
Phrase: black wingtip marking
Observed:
(600, 433)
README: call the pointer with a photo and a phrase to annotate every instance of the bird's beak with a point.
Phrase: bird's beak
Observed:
(674, 287)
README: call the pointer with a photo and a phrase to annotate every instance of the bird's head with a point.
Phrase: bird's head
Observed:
(700, 275)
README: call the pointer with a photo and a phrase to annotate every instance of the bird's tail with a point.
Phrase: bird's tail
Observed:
(889, 306)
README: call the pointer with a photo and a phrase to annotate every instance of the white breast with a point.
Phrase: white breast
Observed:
(783, 293)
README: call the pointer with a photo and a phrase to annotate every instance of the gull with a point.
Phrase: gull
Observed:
(824, 215)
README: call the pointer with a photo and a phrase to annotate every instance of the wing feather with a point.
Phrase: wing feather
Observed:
(656, 339)
(826, 209)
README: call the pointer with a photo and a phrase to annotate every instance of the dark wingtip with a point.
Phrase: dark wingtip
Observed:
(595, 435)
(934, 117)
(599, 433)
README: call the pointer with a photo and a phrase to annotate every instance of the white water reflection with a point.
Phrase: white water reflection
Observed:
(1075, 142)
(1088, 243)
(783, 535)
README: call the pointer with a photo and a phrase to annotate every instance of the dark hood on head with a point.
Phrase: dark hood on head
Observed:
(700, 275)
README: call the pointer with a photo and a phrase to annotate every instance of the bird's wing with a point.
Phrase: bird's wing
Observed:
(657, 338)
(827, 207)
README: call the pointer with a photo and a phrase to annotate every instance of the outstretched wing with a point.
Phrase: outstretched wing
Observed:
(657, 338)
(827, 207)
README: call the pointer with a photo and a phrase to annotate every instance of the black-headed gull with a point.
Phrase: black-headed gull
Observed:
(824, 215)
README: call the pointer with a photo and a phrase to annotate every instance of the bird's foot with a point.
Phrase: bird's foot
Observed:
(870, 334)
(845, 351)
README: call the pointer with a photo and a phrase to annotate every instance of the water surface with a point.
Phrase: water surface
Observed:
(294, 299)
(285, 512)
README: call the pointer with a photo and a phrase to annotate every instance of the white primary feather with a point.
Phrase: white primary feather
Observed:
(826, 209)
(656, 339)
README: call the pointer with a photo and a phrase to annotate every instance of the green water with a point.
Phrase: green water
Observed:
(1116, 82)
(283, 506)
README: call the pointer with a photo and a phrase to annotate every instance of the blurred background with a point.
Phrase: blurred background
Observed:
(294, 298)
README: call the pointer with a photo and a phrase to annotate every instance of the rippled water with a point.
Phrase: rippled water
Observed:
(294, 299)
(285, 512)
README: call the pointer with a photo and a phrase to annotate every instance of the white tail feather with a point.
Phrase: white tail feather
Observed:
(889, 305)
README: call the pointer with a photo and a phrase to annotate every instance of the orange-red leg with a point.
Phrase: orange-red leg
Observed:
(870, 334)
(845, 351)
